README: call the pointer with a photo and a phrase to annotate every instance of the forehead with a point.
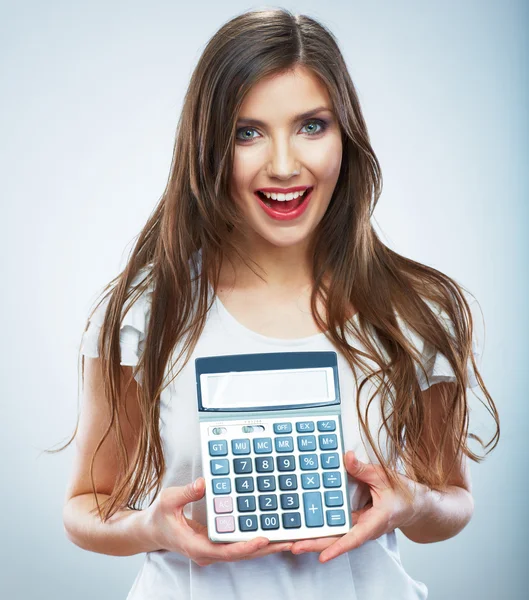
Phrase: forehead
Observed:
(284, 95)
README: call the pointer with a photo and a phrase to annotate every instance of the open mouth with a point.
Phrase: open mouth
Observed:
(285, 206)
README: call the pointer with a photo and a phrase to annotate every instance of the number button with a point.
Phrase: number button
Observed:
(268, 502)
(218, 448)
(291, 520)
(242, 465)
(310, 481)
(248, 522)
(332, 479)
(266, 484)
(244, 485)
(328, 442)
(326, 426)
(284, 444)
(220, 466)
(306, 443)
(246, 503)
(270, 521)
(264, 465)
(289, 501)
(308, 462)
(334, 498)
(221, 486)
(282, 428)
(330, 460)
(240, 446)
(305, 427)
(286, 463)
(262, 445)
(288, 482)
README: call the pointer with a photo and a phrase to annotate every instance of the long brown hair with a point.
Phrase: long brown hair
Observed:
(352, 267)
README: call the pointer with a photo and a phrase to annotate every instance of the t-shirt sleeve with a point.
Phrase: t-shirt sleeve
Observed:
(132, 332)
(436, 367)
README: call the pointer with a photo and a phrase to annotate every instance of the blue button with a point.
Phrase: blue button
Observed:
(335, 517)
(218, 448)
(289, 501)
(221, 486)
(306, 443)
(242, 465)
(264, 464)
(246, 503)
(288, 482)
(268, 502)
(330, 460)
(244, 484)
(308, 462)
(334, 498)
(282, 427)
(220, 466)
(291, 520)
(240, 446)
(248, 522)
(332, 479)
(286, 463)
(313, 509)
(262, 445)
(326, 426)
(266, 483)
(310, 481)
(270, 521)
(304, 426)
(284, 444)
(328, 441)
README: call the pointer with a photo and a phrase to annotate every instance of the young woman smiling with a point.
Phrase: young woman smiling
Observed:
(235, 259)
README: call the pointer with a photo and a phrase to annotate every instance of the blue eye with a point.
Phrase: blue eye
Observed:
(319, 122)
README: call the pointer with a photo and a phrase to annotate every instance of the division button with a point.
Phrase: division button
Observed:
(332, 479)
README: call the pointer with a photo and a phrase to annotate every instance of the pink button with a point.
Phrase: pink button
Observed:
(223, 505)
(225, 524)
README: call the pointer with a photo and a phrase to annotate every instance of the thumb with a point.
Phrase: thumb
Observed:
(192, 491)
(359, 470)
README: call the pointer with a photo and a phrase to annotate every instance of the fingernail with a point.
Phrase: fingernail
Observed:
(195, 485)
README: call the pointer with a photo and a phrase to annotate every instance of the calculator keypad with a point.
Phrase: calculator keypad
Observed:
(289, 477)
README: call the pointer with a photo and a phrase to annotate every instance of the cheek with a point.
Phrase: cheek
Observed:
(326, 161)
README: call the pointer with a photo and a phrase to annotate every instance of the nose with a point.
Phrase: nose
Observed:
(283, 162)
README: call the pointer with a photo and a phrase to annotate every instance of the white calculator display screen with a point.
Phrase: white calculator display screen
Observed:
(252, 389)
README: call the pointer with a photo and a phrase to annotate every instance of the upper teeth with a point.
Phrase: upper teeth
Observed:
(283, 197)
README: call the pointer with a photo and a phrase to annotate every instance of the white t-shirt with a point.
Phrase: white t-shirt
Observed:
(371, 572)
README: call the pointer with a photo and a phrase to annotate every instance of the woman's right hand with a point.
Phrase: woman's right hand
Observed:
(169, 529)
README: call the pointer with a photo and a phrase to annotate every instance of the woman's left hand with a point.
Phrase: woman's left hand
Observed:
(387, 510)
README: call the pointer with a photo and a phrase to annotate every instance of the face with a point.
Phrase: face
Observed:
(277, 147)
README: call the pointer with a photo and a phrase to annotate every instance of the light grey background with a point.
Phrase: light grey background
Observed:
(91, 93)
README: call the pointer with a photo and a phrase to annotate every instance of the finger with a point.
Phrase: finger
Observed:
(270, 549)
(315, 545)
(366, 472)
(357, 536)
(356, 514)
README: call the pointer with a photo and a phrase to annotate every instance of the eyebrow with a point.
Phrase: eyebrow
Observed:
(300, 117)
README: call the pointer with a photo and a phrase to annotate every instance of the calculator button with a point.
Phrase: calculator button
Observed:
(335, 517)
(288, 482)
(334, 498)
(330, 460)
(308, 462)
(218, 448)
(242, 465)
(225, 524)
(289, 501)
(305, 427)
(306, 443)
(291, 520)
(221, 486)
(282, 427)
(248, 522)
(286, 463)
(240, 446)
(223, 505)
(313, 509)
(244, 485)
(266, 483)
(326, 426)
(270, 521)
(264, 464)
(246, 503)
(332, 479)
(284, 444)
(262, 445)
(268, 502)
(220, 466)
(310, 481)
(328, 441)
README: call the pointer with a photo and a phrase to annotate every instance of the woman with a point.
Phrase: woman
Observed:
(227, 264)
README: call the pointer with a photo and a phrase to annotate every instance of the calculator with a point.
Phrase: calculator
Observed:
(272, 446)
